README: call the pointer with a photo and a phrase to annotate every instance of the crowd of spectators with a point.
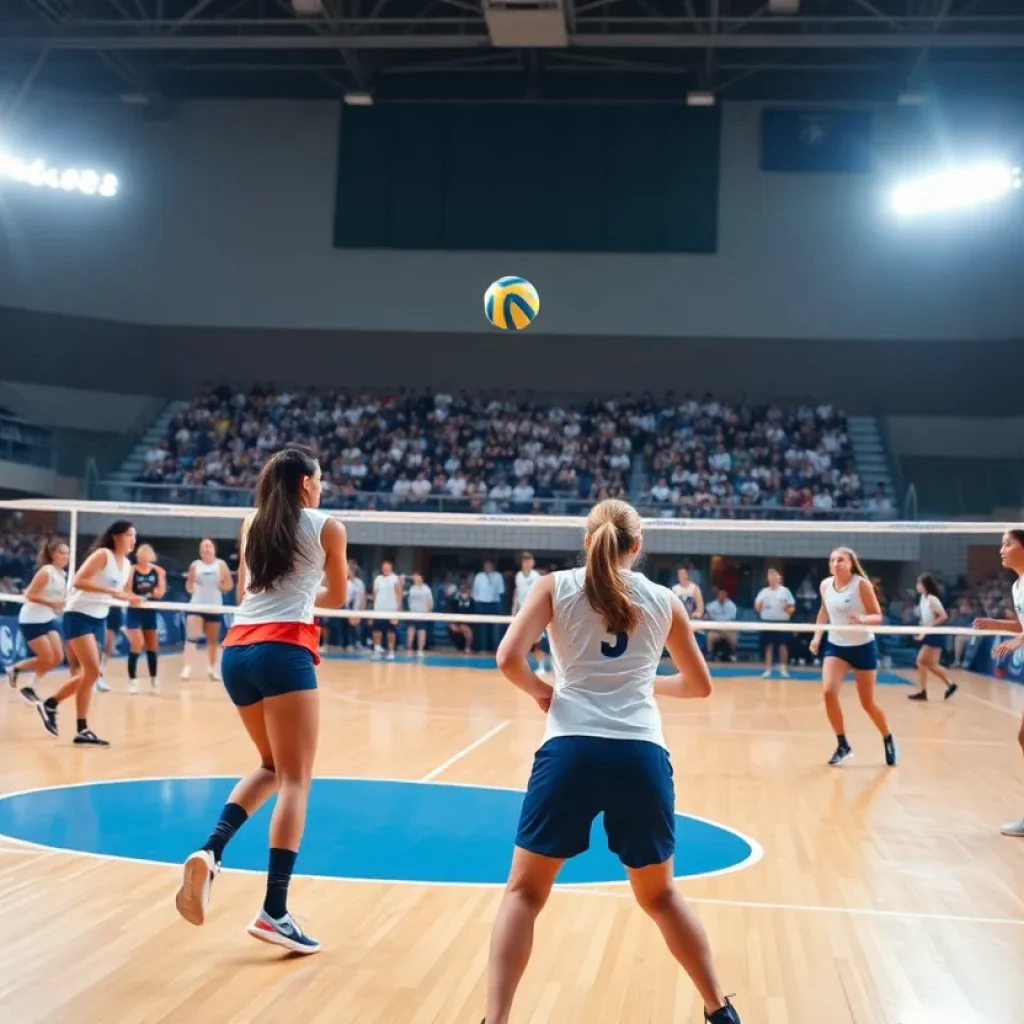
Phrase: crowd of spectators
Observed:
(503, 453)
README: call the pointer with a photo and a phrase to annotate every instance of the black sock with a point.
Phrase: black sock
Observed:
(82, 725)
(842, 741)
(232, 818)
(279, 874)
(133, 664)
(151, 662)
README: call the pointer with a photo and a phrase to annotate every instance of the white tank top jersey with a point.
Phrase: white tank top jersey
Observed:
(293, 596)
(98, 605)
(207, 582)
(420, 598)
(525, 582)
(1018, 599)
(687, 595)
(604, 685)
(774, 603)
(840, 605)
(355, 593)
(930, 608)
(385, 593)
(55, 590)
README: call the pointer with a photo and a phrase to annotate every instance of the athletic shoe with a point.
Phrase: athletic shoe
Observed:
(133, 686)
(154, 685)
(102, 686)
(766, 674)
(49, 717)
(29, 694)
(421, 654)
(87, 738)
(784, 674)
(12, 676)
(726, 1015)
(918, 695)
(950, 690)
(214, 675)
(1014, 828)
(186, 672)
(284, 932)
(890, 750)
(843, 753)
(390, 656)
(193, 895)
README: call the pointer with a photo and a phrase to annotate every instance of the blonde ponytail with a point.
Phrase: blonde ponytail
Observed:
(613, 529)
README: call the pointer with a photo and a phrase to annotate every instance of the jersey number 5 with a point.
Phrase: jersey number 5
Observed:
(617, 649)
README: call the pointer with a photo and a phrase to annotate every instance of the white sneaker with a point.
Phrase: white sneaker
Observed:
(421, 654)
(214, 674)
(390, 656)
(102, 686)
(154, 685)
(193, 895)
(766, 674)
(186, 672)
(1014, 828)
(784, 674)
(133, 686)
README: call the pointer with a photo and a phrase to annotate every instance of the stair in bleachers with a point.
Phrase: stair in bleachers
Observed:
(869, 455)
(133, 465)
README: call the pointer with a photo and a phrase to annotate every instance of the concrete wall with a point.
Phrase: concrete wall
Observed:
(992, 437)
(74, 408)
(225, 219)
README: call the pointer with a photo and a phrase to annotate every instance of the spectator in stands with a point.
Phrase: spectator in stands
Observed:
(879, 504)
(722, 643)
(461, 633)
(488, 591)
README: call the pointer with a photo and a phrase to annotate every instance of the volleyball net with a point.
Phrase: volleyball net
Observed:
(727, 559)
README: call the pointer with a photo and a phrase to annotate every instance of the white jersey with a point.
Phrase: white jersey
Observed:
(774, 604)
(293, 596)
(688, 595)
(840, 605)
(87, 602)
(1018, 599)
(206, 582)
(421, 598)
(385, 593)
(929, 608)
(55, 590)
(525, 582)
(604, 684)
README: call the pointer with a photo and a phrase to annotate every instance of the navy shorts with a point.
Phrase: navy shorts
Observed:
(206, 618)
(576, 778)
(141, 618)
(931, 640)
(254, 671)
(386, 626)
(34, 630)
(78, 624)
(115, 619)
(860, 657)
(770, 640)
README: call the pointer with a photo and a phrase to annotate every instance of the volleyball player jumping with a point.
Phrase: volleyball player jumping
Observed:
(287, 549)
(604, 749)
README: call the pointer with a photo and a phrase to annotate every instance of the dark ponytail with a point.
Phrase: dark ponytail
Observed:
(106, 538)
(48, 549)
(270, 542)
(927, 581)
(1018, 536)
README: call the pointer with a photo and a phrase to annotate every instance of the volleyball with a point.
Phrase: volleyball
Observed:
(511, 303)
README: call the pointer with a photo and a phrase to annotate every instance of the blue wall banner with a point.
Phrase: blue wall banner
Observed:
(816, 141)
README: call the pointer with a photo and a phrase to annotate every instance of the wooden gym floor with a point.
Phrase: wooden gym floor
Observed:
(882, 897)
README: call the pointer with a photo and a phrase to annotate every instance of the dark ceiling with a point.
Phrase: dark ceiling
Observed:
(160, 50)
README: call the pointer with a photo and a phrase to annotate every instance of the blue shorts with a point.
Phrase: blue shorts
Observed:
(860, 657)
(254, 671)
(770, 640)
(931, 640)
(417, 625)
(205, 617)
(141, 618)
(34, 630)
(386, 626)
(115, 619)
(78, 624)
(576, 778)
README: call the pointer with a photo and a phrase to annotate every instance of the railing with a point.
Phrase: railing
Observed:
(566, 505)
(26, 443)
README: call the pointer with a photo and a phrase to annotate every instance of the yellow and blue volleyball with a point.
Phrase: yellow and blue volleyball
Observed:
(511, 303)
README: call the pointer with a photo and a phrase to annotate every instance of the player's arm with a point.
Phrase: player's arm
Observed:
(999, 625)
(430, 600)
(226, 583)
(759, 603)
(85, 578)
(821, 620)
(698, 603)
(515, 597)
(790, 605)
(334, 541)
(941, 615)
(161, 582)
(533, 618)
(37, 588)
(872, 609)
(693, 678)
(243, 572)
(190, 579)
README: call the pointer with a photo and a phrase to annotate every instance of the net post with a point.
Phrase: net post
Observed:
(73, 543)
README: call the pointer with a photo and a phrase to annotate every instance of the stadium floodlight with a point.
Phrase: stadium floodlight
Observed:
(956, 188)
(39, 174)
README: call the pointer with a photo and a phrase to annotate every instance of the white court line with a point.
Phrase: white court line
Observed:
(809, 908)
(455, 758)
(992, 705)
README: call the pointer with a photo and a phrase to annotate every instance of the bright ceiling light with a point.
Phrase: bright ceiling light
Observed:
(956, 188)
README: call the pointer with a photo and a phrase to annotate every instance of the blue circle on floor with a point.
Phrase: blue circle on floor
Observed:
(367, 829)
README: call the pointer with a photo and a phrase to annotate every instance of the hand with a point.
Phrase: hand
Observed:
(918, 637)
(1006, 647)
(544, 703)
(135, 600)
(814, 645)
(57, 606)
(543, 695)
